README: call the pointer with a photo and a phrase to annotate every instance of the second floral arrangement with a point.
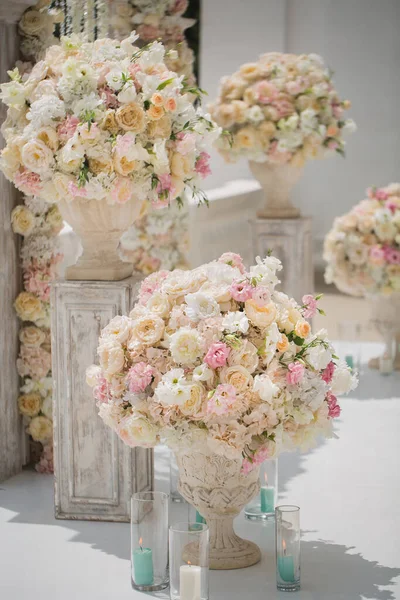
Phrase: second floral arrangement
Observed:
(217, 358)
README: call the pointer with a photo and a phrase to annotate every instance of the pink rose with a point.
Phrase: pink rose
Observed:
(241, 291)
(151, 284)
(38, 281)
(222, 399)
(165, 190)
(333, 145)
(34, 362)
(101, 391)
(392, 255)
(28, 182)
(310, 305)
(328, 372)
(390, 205)
(140, 376)
(261, 295)
(109, 98)
(232, 259)
(381, 194)
(295, 374)
(284, 107)
(202, 166)
(265, 92)
(377, 255)
(217, 355)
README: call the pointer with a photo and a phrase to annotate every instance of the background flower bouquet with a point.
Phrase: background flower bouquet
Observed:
(222, 368)
(102, 128)
(279, 112)
(362, 250)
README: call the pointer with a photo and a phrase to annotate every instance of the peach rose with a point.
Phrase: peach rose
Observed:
(155, 112)
(283, 344)
(260, 316)
(130, 117)
(157, 99)
(302, 329)
(170, 104)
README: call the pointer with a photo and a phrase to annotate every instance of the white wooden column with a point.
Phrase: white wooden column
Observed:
(95, 473)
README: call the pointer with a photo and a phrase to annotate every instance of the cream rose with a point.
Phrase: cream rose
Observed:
(130, 117)
(33, 22)
(112, 357)
(22, 220)
(109, 122)
(146, 331)
(245, 138)
(29, 307)
(118, 329)
(123, 165)
(186, 346)
(103, 165)
(160, 128)
(159, 305)
(194, 404)
(61, 183)
(260, 316)
(180, 283)
(36, 156)
(289, 320)
(32, 336)
(246, 356)
(137, 430)
(49, 137)
(181, 166)
(41, 429)
(29, 404)
(237, 376)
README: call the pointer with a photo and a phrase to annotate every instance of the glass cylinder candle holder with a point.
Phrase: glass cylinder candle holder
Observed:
(349, 345)
(189, 561)
(174, 479)
(149, 541)
(262, 507)
(287, 540)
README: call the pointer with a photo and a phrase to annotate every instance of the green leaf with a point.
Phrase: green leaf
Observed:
(164, 84)
(146, 104)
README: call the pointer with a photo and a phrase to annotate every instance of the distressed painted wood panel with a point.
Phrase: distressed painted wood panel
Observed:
(11, 436)
(290, 240)
(95, 473)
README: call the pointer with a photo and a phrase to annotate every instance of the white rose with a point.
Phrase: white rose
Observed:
(319, 357)
(137, 430)
(237, 376)
(343, 380)
(201, 306)
(146, 330)
(118, 329)
(36, 156)
(180, 283)
(112, 357)
(159, 305)
(186, 346)
(265, 388)
(92, 375)
(236, 321)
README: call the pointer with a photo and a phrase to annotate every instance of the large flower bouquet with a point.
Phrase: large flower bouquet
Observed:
(283, 108)
(216, 357)
(105, 121)
(363, 247)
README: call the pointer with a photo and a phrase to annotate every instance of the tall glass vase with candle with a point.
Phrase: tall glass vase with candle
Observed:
(262, 507)
(189, 561)
(149, 541)
(287, 540)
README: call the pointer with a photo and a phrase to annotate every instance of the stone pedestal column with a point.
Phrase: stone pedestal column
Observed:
(95, 473)
(290, 240)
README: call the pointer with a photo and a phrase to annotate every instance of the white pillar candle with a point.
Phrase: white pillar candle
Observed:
(190, 582)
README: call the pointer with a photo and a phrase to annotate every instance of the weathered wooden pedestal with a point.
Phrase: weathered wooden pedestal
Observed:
(95, 473)
(290, 240)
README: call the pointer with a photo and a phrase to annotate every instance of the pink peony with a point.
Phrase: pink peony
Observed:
(295, 374)
(310, 305)
(390, 205)
(34, 362)
(222, 399)
(28, 182)
(334, 408)
(381, 194)
(140, 376)
(232, 259)
(377, 255)
(392, 256)
(217, 355)
(38, 281)
(202, 166)
(241, 291)
(328, 372)
(101, 391)
(265, 92)
(151, 284)
(284, 107)
(67, 128)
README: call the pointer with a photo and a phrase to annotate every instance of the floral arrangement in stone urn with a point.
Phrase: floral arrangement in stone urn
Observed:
(226, 371)
(280, 111)
(104, 129)
(362, 251)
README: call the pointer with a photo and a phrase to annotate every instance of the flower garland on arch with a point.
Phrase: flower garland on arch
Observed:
(158, 240)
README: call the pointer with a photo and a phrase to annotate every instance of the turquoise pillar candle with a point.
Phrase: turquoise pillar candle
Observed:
(199, 518)
(286, 568)
(143, 566)
(349, 360)
(267, 499)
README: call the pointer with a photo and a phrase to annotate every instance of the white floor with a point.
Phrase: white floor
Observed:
(348, 490)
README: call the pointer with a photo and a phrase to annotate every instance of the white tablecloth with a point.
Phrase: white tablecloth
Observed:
(348, 490)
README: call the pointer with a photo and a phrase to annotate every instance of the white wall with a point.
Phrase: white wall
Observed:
(360, 40)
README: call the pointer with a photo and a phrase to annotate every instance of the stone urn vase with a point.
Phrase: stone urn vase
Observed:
(215, 486)
(277, 182)
(385, 317)
(100, 226)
